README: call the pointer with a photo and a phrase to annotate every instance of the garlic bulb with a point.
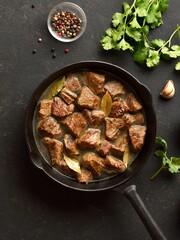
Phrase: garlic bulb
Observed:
(168, 90)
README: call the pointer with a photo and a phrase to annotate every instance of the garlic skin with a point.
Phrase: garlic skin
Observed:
(168, 90)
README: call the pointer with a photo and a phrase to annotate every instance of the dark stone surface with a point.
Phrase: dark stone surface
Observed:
(34, 207)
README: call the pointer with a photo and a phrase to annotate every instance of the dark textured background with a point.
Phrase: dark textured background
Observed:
(32, 206)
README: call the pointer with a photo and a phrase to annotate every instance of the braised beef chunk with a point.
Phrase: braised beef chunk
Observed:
(90, 138)
(133, 103)
(67, 95)
(72, 83)
(114, 88)
(93, 162)
(55, 149)
(45, 108)
(95, 82)
(70, 144)
(60, 108)
(75, 123)
(85, 176)
(133, 118)
(112, 127)
(87, 99)
(114, 165)
(137, 136)
(120, 145)
(94, 117)
(50, 127)
(118, 108)
(104, 148)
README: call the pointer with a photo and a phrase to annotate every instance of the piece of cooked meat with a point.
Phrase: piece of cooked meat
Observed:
(120, 145)
(75, 123)
(104, 148)
(137, 135)
(133, 104)
(94, 117)
(85, 176)
(55, 149)
(60, 108)
(72, 82)
(112, 127)
(114, 88)
(45, 108)
(87, 99)
(118, 108)
(67, 95)
(70, 144)
(95, 82)
(114, 165)
(133, 118)
(50, 127)
(90, 138)
(93, 162)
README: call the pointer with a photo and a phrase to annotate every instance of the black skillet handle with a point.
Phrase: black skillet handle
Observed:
(132, 195)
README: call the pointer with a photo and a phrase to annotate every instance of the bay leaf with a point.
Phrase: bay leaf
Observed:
(72, 164)
(55, 88)
(106, 103)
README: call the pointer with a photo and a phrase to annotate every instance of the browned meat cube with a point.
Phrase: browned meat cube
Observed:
(50, 127)
(133, 103)
(55, 149)
(119, 146)
(67, 95)
(114, 88)
(70, 144)
(75, 123)
(93, 162)
(72, 82)
(137, 135)
(118, 108)
(133, 118)
(45, 108)
(85, 176)
(88, 99)
(95, 82)
(94, 117)
(104, 148)
(90, 138)
(112, 127)
(114, 165)
(60, 108)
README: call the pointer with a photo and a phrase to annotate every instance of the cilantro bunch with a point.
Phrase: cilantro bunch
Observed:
(172, 164)
(130, 30)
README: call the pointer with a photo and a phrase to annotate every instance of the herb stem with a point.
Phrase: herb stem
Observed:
(157, 172)
(169, 40)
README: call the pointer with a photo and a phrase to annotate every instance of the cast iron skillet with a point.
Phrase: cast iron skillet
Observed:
(146, 99)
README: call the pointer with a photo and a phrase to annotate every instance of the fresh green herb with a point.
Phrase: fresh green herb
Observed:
(172, 164)
(130, 30)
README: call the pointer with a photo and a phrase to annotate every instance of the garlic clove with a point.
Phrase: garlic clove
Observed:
(168, 90)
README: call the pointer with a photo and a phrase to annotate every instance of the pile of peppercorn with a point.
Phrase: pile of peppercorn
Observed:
(66, 24)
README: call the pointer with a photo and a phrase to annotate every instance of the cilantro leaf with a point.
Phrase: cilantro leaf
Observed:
(117, 18)
(133, 33)
(153, 59)
(163, 5)
(140, 53)
(141, 12)
(162, 142)
(107, 43)
(134, 23)
(157, 43)
(171, 164)
(177, 67)
(174, 165)
(124, 45)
